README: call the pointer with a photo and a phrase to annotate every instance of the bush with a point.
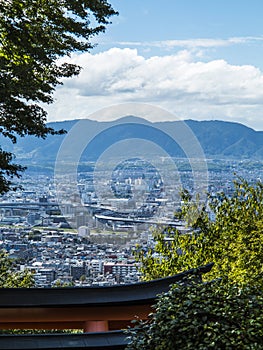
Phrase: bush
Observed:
(213, 315)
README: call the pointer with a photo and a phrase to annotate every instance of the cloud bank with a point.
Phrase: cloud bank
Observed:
(181, 83)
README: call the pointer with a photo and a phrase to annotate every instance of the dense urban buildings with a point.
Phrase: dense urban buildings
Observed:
(86, 240)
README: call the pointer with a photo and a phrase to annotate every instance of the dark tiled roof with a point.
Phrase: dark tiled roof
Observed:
(14, 302)
(129, 294)
(114, 340)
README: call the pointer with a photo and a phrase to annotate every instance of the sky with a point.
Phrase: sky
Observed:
(195, 59)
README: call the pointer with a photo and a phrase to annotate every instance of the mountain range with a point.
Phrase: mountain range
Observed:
(218, 139)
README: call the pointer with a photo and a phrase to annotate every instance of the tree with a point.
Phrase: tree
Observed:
(234, 241)
(225, 312)
(59, 284)
(82, 279)
(9, 278)
(34, 34)
(214, 315)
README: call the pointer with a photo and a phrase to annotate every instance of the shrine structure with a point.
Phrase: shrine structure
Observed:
(102, 312)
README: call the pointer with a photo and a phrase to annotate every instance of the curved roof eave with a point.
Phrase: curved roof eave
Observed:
(114, 340)
(128, 294)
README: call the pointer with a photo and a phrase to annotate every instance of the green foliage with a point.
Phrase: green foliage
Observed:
(214, 315)
(8, 171)
(225, 313)
(59, 284)
(34, 34)
(41, 331)
(9, 278)
(166, 258)
(234, 241)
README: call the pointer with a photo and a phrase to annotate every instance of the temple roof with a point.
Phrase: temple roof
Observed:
(80, 307)
(128, 294)
(114, 340)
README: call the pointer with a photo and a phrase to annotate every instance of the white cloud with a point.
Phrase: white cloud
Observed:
(192, 43)
(181, 83)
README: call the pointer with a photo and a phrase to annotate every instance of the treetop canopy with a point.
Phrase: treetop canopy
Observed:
(33, 35)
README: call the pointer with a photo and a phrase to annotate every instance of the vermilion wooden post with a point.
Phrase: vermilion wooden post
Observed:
(96, 326)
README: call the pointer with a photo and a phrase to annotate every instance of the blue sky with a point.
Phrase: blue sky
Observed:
(151, 20)
(197, 59)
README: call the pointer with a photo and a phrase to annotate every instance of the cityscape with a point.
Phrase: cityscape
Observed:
(87, 238)
(131, 175)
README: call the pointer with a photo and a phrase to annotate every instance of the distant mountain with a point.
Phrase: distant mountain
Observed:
(228, 140)
(218, 139)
